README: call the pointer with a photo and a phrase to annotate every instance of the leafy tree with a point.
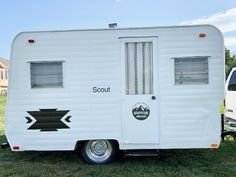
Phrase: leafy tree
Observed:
(228, 58)
(230, 61)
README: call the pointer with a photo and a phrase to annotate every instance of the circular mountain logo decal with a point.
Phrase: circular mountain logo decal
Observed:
(141, 111)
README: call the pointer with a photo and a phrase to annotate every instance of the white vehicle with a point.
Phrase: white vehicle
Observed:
(230, 101)
(107, 89)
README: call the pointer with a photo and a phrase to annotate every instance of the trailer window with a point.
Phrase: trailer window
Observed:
(190, 71)
(232, 82)
(139, 76)
(46, 74)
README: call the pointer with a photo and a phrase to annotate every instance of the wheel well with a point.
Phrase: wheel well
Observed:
(81, 142)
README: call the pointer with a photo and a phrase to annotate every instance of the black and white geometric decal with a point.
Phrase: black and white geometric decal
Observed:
(48, 119)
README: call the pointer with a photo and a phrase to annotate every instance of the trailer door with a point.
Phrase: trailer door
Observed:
(140, 109)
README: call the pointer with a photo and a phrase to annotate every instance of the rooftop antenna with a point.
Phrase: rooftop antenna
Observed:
(112, 25)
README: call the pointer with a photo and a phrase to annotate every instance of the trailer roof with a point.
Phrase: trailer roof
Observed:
(125, 28)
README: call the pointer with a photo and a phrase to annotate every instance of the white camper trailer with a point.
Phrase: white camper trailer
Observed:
(108, 89)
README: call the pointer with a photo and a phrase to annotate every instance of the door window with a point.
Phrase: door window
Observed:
(139, 68)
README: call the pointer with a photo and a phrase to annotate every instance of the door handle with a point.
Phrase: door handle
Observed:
(153, 97)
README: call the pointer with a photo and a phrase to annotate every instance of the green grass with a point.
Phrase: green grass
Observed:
(2, 109)
(207, 163)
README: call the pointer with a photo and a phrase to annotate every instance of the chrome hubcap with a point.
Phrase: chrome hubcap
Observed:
(98, 150)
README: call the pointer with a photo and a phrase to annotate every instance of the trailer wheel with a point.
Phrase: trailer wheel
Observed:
(98, 151)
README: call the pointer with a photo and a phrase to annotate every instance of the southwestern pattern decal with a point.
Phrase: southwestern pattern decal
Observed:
(48, 119)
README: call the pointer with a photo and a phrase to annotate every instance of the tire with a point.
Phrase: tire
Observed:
(99, 151)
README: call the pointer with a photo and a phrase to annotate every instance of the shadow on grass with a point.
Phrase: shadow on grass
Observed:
(172, 158)
(36, 156)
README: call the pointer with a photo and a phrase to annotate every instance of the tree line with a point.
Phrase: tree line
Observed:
(230, 61)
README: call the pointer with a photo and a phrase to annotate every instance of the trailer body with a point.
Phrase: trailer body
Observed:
(145, 88)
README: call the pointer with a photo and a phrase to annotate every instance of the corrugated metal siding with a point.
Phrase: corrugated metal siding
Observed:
(188, 115)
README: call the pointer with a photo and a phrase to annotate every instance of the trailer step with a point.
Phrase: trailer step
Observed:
(139, 153)
(5, 145)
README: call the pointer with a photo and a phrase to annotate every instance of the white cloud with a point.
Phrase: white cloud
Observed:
(230, 41)
(225, 21)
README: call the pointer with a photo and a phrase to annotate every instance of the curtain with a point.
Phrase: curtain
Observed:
(47, 74)
(191, 71)
(139, 76)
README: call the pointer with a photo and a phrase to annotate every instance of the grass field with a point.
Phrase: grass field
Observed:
(206, 163)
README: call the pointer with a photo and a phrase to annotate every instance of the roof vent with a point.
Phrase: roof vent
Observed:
(112, 25)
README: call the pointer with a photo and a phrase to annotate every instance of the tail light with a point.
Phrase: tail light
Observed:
(214, 145)
(202, 35)
(16, 148)
(30, 41)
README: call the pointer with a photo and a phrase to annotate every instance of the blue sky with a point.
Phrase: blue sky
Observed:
(29, 15)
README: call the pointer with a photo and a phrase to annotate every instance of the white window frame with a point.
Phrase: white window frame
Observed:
(123, 41)
(47, 61)
(190, 57)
